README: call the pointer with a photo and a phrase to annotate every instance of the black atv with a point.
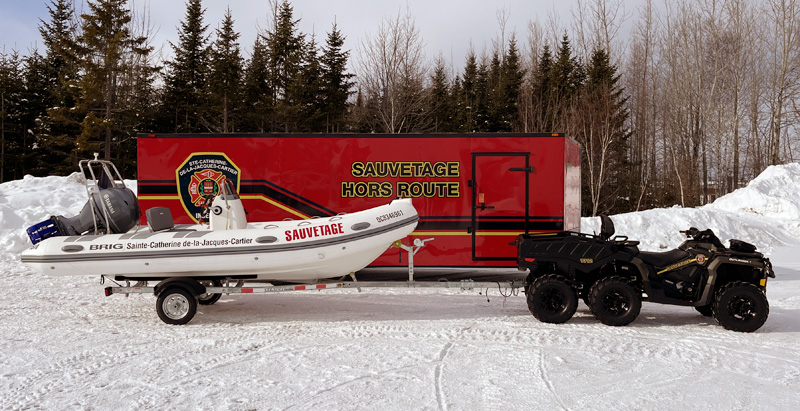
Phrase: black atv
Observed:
(612, 277)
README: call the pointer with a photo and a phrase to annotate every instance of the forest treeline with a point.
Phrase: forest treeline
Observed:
(692, 102)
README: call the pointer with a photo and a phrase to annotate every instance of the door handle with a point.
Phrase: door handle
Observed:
(483, 206)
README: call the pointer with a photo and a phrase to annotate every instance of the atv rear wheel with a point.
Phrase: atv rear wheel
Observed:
(551, 299)
(741, 306)
(615, 302)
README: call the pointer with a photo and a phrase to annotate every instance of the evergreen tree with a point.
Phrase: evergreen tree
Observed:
(184, 100)
(58, 36)
(226, 78)
(286, 47)
(467, 103)
(336, 82)
(494, 94)
(456, 91)
(307, 87)
(511, 74)
(258, 104)
(139, 104)
(482, 100)
(440, 106)
(11, 112)
(566, 77)
(56, 133)
(109, 55)
(542, 92)
(35, 98)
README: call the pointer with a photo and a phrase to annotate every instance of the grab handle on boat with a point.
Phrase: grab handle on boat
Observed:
(303, 223)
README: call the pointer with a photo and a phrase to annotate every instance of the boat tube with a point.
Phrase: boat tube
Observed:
(226, 247)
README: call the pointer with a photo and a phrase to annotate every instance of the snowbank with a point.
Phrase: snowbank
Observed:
(766, 213)
(33, 199)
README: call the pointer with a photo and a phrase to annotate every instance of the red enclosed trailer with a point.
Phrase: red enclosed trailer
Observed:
(474, 192)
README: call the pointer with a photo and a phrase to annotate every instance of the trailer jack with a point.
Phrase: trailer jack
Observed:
(412, 250)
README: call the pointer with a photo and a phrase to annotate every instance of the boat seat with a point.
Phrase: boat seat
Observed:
(159, 219)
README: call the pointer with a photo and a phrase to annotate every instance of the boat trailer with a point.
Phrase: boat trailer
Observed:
(178, 297)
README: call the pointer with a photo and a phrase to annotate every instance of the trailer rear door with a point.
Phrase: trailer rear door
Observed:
(500, 200)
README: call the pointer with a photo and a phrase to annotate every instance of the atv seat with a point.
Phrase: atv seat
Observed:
(664, 259)
(606, 227)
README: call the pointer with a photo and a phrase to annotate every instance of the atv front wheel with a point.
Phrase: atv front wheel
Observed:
(615, 302)
(741, 306)
(551, 299)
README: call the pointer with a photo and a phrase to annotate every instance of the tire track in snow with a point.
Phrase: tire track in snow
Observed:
(437, 376)
(76, 372)
(305, 402)
(548, 382)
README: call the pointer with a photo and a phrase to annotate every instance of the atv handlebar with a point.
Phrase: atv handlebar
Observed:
(704, 236)
(691, 232)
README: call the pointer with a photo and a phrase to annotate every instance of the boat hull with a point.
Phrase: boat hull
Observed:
(282, 251)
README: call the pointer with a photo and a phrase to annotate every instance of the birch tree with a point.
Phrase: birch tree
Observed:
(391, 70)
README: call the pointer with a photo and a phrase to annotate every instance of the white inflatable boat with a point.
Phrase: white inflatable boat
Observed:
(105, 240)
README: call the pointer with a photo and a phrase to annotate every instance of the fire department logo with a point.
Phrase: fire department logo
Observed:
(199, 178)
(701, 259)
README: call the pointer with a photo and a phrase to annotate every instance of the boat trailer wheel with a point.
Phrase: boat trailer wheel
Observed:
(210, 298)
(176, 306)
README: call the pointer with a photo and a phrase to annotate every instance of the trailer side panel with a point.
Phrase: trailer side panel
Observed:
(474, 193)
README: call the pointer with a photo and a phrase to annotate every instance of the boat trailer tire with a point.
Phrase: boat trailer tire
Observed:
(551, 299)
(615, 302)
(176, 305)
(209, 298)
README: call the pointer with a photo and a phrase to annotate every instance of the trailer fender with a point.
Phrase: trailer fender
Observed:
(188, 284)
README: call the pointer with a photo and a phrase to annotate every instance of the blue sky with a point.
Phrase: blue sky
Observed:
(447, 26)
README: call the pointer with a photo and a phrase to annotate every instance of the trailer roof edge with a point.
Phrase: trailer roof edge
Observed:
(347, 135)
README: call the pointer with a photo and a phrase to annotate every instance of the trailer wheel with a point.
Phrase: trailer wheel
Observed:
(615, 302)
(176, 306)
(551, 299)
(741, 306)
(705, 310)
(209, 298)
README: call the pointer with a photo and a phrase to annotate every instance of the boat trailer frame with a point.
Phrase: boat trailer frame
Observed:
(177, 296)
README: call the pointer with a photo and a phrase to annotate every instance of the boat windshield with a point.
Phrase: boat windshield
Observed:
(228, 190)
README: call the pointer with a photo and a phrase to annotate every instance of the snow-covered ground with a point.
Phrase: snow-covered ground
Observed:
(63, 345)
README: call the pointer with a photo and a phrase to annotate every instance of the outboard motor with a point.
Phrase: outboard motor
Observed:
(112, 207)
(110, 211)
